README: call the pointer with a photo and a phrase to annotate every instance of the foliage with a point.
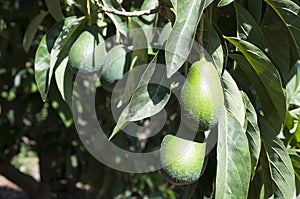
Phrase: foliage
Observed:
(254, 45)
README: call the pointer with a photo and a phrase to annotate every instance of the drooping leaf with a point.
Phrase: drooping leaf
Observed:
(148, 22)
(293, 89)
(181, 38)
(149, 99)
(55, 9)
(248, 28)
(288, 11)
(233, 98)
(119, 21)
(212, 44)
(224, 3)
(265, 78)
(31, 30)
(255, 8)
(276, 37)
(42, 57)
(145, 78)
(64, 81)
(139, 42)
(252, 133)
(63, 43)
(233, 159)
(279, 165)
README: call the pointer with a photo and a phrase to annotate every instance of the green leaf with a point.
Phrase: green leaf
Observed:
(122, 121)
(31, 30)
(164, 35)
(224, 3)
(148, 22)
(233, 159)
(212, 44)
(119, 21)
(288, 11)
(233, 98)
(279, 164)
(139, 40)
(252, 133)
(55, 9)
(276, 37)
(64, 81)
(42, 58)
(293, 88)
(248, 28)
(42, 62)
(148, 99)
(63, 43)
(181, 38)
(255, 8)
(297, 131)
(265, 78)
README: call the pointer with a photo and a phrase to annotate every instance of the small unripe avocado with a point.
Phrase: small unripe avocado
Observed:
(116, 64)
(87, 54)
(181, 159)
(202, 96)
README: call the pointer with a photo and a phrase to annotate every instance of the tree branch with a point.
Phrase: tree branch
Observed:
(26, 182)
(124, 13)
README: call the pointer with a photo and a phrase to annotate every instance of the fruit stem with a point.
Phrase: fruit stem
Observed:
(200, 39)
(88, 8)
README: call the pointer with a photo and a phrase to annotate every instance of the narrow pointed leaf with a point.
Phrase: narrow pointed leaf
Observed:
(181, 38)
(212, 44)
(277, 38)
(252, 133)
(233, 98)
(289, 12)
(43, 56)
(31, 30)
(224, 3)
(233, 160)
(280, 165)
(63, 43)
(55, 9)
(248, 28)
(265, 78)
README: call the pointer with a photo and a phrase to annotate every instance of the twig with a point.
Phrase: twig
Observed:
(124, 13)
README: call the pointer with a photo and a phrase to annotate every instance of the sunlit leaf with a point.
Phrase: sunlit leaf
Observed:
(224, 3)
(233, 98)
(233, 160)
(277, 163)
(253, 133)
(265, 78)
(288, 11)
(181, 38)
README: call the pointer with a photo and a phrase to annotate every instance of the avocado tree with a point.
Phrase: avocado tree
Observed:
(201, 94)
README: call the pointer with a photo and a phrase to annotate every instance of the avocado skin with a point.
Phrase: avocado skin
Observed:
(181, 160)
(202, 97)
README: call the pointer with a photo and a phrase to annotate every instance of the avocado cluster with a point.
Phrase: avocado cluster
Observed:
(202, 102)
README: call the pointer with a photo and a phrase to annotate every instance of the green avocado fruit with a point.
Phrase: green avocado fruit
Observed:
(202, 97)
(181, 160)
(116, 65)
(88, 52)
